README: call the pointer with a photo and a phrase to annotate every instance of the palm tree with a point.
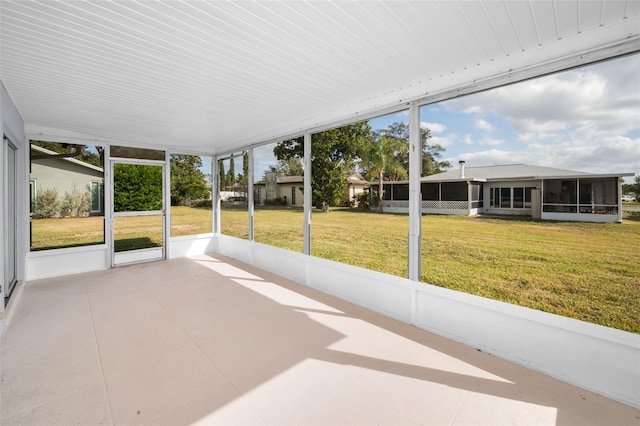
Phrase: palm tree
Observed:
(380, 157)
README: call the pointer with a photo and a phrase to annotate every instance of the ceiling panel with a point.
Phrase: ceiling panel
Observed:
(214, 76)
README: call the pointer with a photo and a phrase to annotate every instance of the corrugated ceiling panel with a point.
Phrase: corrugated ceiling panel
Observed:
(545, 20)
(207, 75)
(590, 14)
(502, 23)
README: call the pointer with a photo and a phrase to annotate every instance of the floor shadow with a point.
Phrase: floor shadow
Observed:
(126, 244)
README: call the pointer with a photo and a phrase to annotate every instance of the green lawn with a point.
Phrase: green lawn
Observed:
(580, 270)
(586, 271)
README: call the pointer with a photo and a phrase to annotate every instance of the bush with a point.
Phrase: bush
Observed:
(47, 204)
(361, 200)
(76, 203)
(275, 202)
(202, 204)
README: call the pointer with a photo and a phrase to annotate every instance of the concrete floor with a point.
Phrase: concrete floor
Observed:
(213, 341)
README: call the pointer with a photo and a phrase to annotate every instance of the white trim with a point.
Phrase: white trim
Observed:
(136, 256)
(415, 197)
(307, 193)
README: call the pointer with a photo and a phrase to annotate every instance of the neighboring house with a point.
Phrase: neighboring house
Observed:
(289, 188)
(517, 189)
(49, 170)
(276, 185)
(356, 184)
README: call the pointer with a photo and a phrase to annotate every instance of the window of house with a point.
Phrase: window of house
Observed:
(293, 195)
(454, 191)
(191, 204)
(67, 200)
(505, 198)
(33, 191)
(476, 195)
(527, 197)
(387, 192)
(430, 191)
(518, 198)
(401, 191)
(96, 197)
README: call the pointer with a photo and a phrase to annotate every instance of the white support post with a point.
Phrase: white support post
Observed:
(415, 194)
(307, 193)
(620, 181)
(250, 192)
(108, 203)
(167, 203)
(215, 193)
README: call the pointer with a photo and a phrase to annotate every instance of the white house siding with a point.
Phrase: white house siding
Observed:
(62, 175)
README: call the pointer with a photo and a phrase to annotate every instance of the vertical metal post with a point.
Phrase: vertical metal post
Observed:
(250, 192)
(166, 204)
(415, 195)
(307, 193)
(215, 193)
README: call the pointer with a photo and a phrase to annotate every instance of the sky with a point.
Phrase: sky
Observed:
(586, 119)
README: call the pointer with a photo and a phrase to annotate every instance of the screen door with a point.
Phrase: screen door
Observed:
(138, 227)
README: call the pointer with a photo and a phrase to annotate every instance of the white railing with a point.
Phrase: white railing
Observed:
(445, 205)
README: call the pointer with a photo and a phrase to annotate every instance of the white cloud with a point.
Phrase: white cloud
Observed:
(443, 141)
(483, 125)
(605, 95)
(491, 141)
(468, 139)
(617, 154)
(434, 127)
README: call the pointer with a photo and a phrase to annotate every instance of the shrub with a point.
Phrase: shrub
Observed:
(361, 200)
(76, 203)
(275, 202)
(47, 204)
(202, 203)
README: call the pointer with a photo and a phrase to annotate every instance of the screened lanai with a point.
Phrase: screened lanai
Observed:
(126, 94)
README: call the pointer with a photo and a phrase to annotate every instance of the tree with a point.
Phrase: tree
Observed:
(332, 156)
(632, 187)
(379, 158)
(222, 176)
(137, 187)
(431, 154)
(231, 174)
(79, 152)
(187, 180)
(288, 167)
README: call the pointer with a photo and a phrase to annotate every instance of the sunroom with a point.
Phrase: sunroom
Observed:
(142, 88)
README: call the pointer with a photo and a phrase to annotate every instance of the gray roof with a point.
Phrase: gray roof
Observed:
(504, 172)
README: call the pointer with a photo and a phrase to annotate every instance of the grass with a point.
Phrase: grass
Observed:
(586, 271)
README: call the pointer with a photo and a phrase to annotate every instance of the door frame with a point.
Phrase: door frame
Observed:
(10, 217)
(138, 255)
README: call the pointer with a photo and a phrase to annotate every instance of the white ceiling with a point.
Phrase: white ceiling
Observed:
(214, 76)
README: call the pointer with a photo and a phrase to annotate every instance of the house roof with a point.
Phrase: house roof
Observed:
(510, 172)
(69, 159)
(290, 179)
(214, 77)
(357, 179)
